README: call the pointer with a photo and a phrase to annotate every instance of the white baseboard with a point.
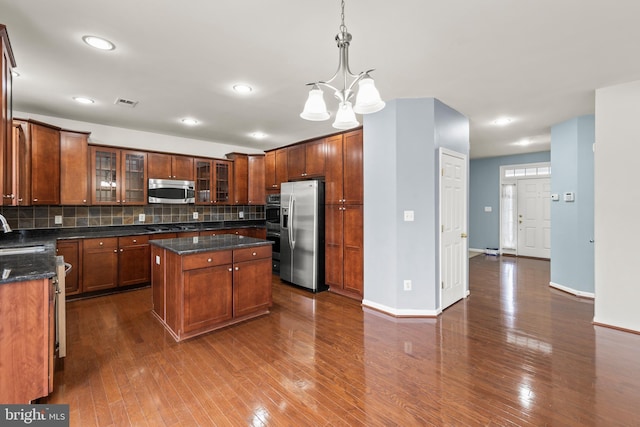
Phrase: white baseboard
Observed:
(573, 291)
(400, 312)
(476, 250)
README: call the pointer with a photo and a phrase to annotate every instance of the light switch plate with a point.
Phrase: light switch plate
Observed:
(488, 209)
(408, 215)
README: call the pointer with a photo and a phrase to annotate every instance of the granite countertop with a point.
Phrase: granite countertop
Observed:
(194, 245)
(39, 265)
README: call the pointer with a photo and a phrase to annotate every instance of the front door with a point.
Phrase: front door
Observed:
(534, 217)
(453, 226)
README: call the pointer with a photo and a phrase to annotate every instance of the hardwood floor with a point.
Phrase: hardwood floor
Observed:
(516, 352)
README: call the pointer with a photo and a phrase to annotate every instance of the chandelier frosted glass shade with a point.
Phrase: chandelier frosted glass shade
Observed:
(315, 109)
(368, 99)
(345, 117)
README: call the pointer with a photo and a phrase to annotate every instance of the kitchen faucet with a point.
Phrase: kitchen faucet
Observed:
(5, 224)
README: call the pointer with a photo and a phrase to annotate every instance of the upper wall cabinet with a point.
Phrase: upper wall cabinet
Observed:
(306, 160)
(276, 168)
(344, 172)
(35, 165)
(118, 177)
(7, 63)
(74, 168)
(248, 179)
(167, 166)
(214, 183)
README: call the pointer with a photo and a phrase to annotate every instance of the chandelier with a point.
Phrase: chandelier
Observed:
(368, 98)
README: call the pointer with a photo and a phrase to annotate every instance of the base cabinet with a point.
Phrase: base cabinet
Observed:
(99, 264)
(71, 250)
(26, 340)
(344, 252)
(197, 293)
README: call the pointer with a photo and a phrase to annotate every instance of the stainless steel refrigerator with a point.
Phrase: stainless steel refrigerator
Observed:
(302, 234)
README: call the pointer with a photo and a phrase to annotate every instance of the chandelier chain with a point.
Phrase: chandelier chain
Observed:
(343, 28)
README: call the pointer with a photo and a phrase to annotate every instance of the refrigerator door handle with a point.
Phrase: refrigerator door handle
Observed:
(292, 226)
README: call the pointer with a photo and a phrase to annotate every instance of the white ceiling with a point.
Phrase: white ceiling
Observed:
(537, 61)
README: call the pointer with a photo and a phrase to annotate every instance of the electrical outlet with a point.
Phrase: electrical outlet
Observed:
(407, 285)
(141, 217)
(241, 215)
(408, 215)
(58, 219)
(195, 215)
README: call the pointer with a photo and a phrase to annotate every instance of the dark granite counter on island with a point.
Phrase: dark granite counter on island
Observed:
(208, 282)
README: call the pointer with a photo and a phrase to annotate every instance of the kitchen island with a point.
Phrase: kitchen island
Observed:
(204, 283)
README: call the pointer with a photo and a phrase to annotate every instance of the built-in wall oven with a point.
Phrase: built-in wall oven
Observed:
(272, 215)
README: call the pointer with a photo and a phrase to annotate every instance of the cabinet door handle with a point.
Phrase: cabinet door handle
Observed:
(84, 201)
(209, 259)
(124, 201)
(121, 250)
(117, 201)
(35, 200)
(230, 269)
(254, 254)
(101, 243)
(115, 251)
(135, 241)
(237, 268)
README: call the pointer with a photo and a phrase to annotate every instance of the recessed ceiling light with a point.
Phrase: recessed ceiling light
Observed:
(98, 43)
(83, 100)
(14, 73)
(242, 88)
(259, 135)
(502, 121)
(189, 121)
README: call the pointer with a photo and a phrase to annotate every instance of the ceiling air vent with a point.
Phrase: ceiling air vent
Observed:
(126, 102)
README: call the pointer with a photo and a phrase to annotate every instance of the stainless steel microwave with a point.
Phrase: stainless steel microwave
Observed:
(171, 191)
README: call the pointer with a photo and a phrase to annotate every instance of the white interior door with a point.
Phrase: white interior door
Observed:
(453, 226)
(534, 217)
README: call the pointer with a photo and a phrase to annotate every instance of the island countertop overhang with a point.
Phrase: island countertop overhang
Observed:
(194, 245)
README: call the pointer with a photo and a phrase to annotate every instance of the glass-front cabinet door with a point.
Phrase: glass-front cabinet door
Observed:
(105, 164)
(203, 182)
(119, 177)
(213, 181)
(134, 178)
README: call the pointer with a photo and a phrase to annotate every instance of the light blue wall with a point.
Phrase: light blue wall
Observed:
(400, 162)
(572, 253)
(484, 190)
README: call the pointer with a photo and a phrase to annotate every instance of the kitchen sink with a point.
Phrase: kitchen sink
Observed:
(17, 250)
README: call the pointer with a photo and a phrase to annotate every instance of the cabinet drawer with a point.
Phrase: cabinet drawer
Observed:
(133, 240)
(248, 254)
(207, 259)
(110, 242)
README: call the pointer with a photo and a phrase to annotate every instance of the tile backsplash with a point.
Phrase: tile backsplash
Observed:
(37, 217)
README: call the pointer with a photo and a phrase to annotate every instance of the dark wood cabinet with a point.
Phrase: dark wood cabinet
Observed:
(344, 251)
(256, 189)
(214, 181)
(74, 168)
(168, 166)
(35, 165)
(248, 178)
(71, 250)
(251, 291)
(344, 170)
(133, 260)
(209, 290)
(306, 160)
(27, 344)
(276, 171)
(7, 64)
(208, 296)
(240, 178)
(118, 177)
(99, 264)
